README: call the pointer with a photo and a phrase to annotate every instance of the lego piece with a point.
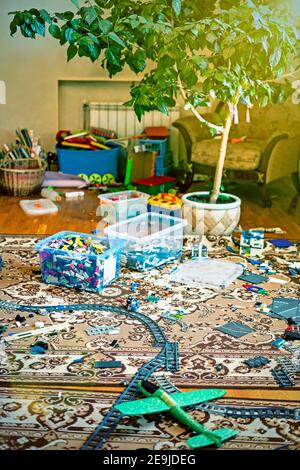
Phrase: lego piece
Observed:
(253, 278)
(235, 329)
(153, 298)
(257, 361)
(48, 330)
(278, 343)
(256, 289)
(134, 285)
(3, 329)
(281, 242)
(282, 377)
(252, 243)
(20, 319)
(103, 329)
(78, 361)
(107, 364)
(132, 304)
(285, 307)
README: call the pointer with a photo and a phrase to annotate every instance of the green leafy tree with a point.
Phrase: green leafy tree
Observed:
(238, 50)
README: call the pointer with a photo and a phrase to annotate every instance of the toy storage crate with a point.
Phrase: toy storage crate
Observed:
(150, 240)
(155, 145)
(89, 161)
(155, 184)
(164, 171)
(162, 162)
(88, 272)
(122, 205)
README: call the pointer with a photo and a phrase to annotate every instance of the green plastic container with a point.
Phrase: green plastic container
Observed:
(155, 184)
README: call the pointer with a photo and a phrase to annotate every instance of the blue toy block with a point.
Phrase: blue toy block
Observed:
(235, 329)
(278, 343)
(107, 364)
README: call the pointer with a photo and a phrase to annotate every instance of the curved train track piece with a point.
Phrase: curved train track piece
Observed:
(167, 358)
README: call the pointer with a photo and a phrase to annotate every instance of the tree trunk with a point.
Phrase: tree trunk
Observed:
(222, 154)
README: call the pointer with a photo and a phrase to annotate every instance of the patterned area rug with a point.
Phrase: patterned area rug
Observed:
(202, 347)
(63, 420)
(34, 417)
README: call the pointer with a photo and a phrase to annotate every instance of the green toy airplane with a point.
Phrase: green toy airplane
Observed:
(158, 401)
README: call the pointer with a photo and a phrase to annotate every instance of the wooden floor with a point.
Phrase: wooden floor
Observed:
(80, 214)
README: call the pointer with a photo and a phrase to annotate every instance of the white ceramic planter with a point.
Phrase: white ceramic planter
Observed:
(210, 219)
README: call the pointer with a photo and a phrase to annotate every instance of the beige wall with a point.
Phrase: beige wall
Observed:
(31, 70)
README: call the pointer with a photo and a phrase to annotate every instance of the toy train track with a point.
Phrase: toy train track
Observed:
(167, 358)
(111, 420)
(156, 331)
(234, 411)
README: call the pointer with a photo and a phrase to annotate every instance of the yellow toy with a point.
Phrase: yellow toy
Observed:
(165, 203)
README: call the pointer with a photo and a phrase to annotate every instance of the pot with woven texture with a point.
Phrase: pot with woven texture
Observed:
(205, 218)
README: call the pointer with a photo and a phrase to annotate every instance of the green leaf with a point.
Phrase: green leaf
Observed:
(211, 37)
(54, 31)
(228, 52)
(75, 2)
(213, 132)
(114, 37)
(85, 41)
(67, 15)
(38, 26)
(264, 101)
(90, 15)
(13, 28)
(45, 15)
(104, 26)
(176, 4)
(111, 57)
(71, 52)
(275, 57)
(69, 35)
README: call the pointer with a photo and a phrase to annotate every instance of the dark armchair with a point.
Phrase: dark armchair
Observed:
(271, 150)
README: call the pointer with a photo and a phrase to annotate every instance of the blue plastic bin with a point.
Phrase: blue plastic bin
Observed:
(162, 162)
(89, 161)
(164, 171)
(88, 272)
(157, 145)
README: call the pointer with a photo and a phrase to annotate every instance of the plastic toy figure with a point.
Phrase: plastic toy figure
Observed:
(158, 400)
(132, 304)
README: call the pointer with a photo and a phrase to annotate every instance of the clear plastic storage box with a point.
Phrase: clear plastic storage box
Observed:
(151, 240)
(122, 205)
(81, 270)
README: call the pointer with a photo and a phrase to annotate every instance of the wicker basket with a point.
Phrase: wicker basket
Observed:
(22, 177)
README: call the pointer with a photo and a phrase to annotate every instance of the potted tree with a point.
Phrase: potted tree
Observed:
(236, 51)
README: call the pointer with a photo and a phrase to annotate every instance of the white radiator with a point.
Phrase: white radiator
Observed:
(123, 121)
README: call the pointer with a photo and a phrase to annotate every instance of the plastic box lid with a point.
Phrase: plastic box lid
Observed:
(38, 206)
(145, 227)
(155, 180)
(125, 197)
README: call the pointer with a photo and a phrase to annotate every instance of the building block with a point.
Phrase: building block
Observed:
(107, 364)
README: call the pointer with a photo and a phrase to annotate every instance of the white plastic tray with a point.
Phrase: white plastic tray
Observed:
(38, 206)
(207, 272)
